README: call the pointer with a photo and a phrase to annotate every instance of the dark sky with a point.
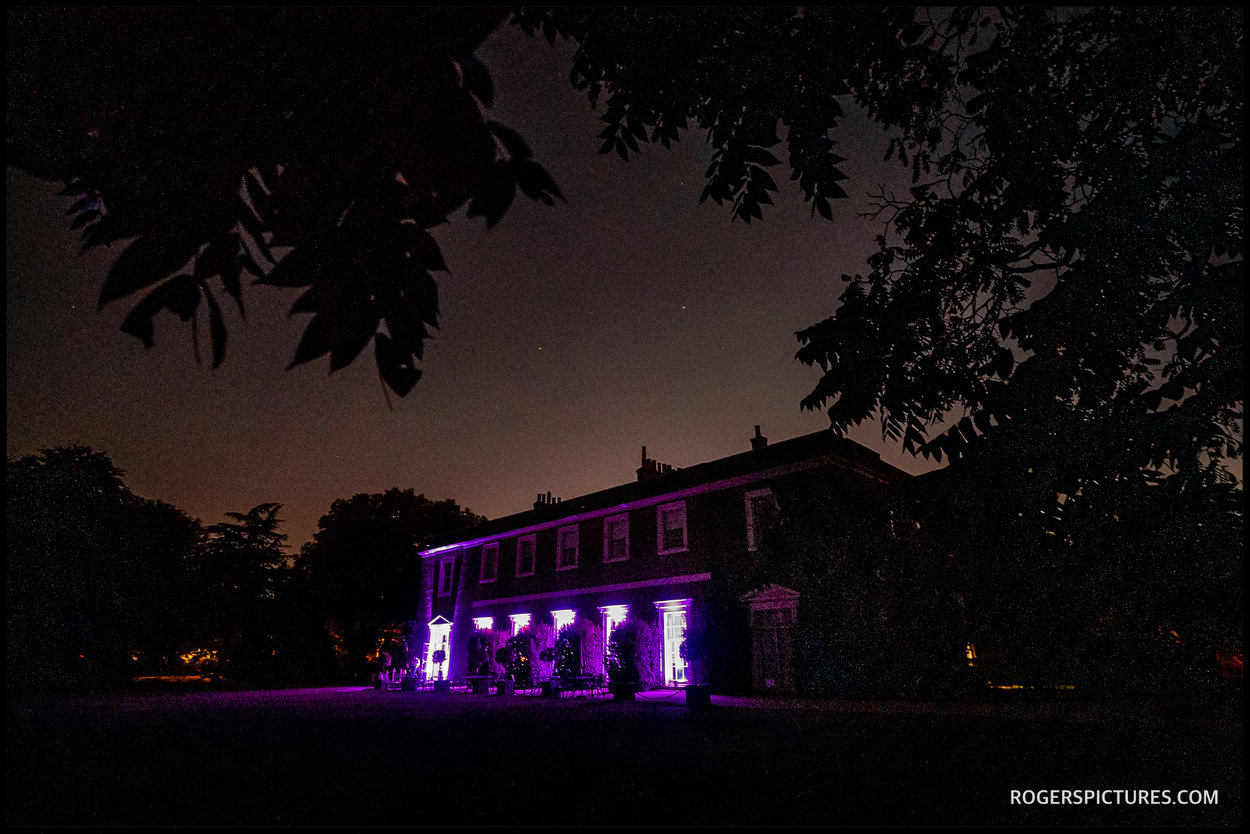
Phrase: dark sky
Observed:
(571, 336)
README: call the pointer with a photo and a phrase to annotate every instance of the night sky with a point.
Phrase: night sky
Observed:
(571, 336)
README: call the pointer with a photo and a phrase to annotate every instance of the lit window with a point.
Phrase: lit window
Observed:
(483, 623)
(616, 538)
(562, 618)
(525, 556)
(566, 548)
(761, 515)
(613, 615)
(672, 527)
(519, 621)
(490, 562)
(445, 570)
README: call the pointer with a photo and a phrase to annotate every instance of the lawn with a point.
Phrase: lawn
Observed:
(353, 757)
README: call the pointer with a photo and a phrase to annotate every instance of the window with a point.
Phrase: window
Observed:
(762, 514)
(445, 569)
(483, 623)
(613, 615)
(563, 617)
(519, 621)
(525, 556)
(566, 548)
(672, 527)
(490, 562)
(616, 538)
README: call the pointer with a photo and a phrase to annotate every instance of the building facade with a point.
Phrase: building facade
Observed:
(658, 550)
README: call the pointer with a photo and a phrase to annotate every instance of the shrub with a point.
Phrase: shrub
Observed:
(517, 656)
(632, 654)
(543, 663)
(695, 644)
(479, 654)
(567, 653)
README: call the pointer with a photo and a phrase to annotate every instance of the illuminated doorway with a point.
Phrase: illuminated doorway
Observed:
(440, 638)
(673, 619)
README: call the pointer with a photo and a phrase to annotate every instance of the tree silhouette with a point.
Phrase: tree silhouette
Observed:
(362, 572)
(1060, 295)
(1058, 303)
(95, 576)
(309, 148)
(241, 579)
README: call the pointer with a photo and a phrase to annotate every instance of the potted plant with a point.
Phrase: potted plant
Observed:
(624, 672)
(440, 685)
(694, 648)
(516, 657)
(504, 657)
(479, 663)
(550, 688)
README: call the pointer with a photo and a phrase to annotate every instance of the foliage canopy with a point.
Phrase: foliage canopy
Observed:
(1055, 309)
(306, 148)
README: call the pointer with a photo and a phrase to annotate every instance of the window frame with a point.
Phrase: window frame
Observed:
(446, 570)
(608, 522)
(749, 498)
(493, 548)
(533, 543)
(577, 547)
(659, 525)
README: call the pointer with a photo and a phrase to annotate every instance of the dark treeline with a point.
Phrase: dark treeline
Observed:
(103, 586)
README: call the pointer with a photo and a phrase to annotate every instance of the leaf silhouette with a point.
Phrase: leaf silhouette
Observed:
(216, 328)
(145, 262)
(180, 294)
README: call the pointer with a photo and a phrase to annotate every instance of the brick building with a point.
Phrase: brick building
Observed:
(660, 549)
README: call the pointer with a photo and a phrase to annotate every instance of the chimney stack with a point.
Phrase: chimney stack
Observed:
(651, 468)
(759, 441)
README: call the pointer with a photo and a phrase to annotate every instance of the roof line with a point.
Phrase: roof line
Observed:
(639, 503)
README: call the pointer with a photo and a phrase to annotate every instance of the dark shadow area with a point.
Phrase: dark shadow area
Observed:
(363, 757)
